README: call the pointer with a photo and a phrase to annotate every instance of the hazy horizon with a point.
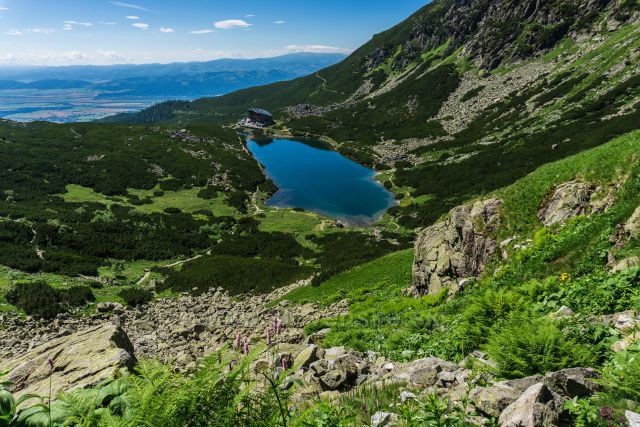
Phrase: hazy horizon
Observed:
(103, 32)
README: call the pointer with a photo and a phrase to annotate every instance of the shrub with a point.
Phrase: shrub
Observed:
(76, 296)
(526, 346)
(235, 274)
(36, 299)
(135, 296)
(42, 300)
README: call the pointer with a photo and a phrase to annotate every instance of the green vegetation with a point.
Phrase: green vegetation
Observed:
(135, 296)
(390, 269)
(506, 312)
(42, 300)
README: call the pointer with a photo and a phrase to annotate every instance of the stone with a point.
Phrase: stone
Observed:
(381, 419)
(632, 226)
(494, 399)
(626, 264)
(572, 382)
(424, 372)
(406, 396)
(626, 342)
(459, 247)
(333, 380)
(536, 407)
(79, 360)
(306, 357)
(563, 312)
(334, 352)
(633, 419)
(110, 307)
(567, 201)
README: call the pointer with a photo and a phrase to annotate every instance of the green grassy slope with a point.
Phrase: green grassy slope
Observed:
(526, 286)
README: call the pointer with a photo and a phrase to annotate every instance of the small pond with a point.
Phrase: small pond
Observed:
(313, 176)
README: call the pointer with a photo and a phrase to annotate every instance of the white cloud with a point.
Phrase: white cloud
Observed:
(69, 25)
(106, 23)
(249, 16)
(111, 56)
(141, 25)
(316, 48)
(13, 33)
(129, 5)
(40, 30)
(280, 22)
(74, 55)
(230, 24)
(167, 30)
(201, 32)
(132, 17)
(4, 8)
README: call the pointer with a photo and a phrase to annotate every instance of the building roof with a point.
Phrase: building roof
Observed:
(260, 111)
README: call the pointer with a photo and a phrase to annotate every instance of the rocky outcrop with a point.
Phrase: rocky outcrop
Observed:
(492, 32)
(573, 382)
(567, 201)
(459, 247)
(79, 360)
(537, 406)
(632, 226)
(494, 399)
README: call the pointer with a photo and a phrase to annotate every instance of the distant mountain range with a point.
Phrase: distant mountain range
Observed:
(181, 80)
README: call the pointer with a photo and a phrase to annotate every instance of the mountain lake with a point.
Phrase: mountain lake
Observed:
(313, 176)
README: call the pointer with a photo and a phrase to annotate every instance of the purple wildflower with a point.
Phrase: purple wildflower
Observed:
(278, 325)
(237, 342)
(606, 412)
(245, 346)
(269, 336)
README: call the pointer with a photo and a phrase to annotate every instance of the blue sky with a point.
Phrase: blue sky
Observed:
(63, 32)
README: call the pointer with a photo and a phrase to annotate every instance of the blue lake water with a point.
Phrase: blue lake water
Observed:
(316, 178)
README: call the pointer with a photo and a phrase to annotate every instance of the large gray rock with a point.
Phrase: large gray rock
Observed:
(306, 357)
(568, 201)
(425, 372)
(572, 382)
(633, 419)
(382, 419)
(536, 407)
(632, 226)
(79, 360)
(492, 400)
(457, 248)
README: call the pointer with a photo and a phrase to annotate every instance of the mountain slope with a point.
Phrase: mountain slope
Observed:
(463, 97)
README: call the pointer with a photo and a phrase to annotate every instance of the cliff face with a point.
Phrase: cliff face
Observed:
(493, 32)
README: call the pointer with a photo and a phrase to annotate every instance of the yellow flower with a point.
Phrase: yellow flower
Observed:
(564, 277)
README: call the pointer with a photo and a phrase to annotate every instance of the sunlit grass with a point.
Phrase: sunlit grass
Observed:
(185, 200)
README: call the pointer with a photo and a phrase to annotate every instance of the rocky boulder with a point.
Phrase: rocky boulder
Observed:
(567, 201)
(572, 382)
(494, 399)
(536, 407)
(79, 360)
(632, 226)
(454, 249)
